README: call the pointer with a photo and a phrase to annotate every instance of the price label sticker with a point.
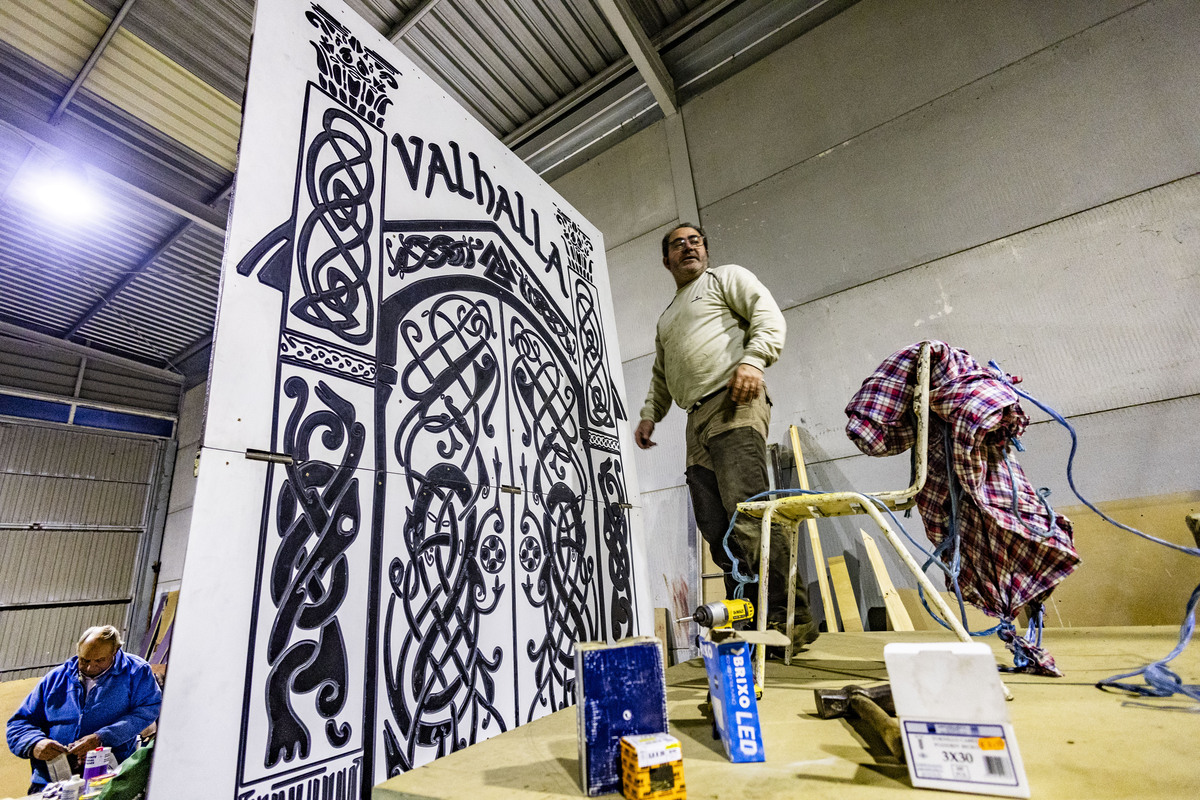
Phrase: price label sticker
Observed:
(960, 753)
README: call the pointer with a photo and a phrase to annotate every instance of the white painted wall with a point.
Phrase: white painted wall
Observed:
(1016, 178)
(183, 490)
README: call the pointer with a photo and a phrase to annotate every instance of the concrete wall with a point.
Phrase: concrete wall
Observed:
(1015, 178)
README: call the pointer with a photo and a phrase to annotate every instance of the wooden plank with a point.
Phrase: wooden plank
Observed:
(1124, 580)
(662, 622)
(814, 538)
(843, 590)
(897, 613)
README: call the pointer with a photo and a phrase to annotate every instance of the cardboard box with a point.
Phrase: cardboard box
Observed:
(620, 690)
(729, 663)
(652, 767)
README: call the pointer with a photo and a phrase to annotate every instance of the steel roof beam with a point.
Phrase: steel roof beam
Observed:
(113, 26)
(397, 33)
(602, 80)
(141, 267)
(20, 332)
(633, 36)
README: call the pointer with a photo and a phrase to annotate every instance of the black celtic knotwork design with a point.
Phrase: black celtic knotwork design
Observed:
(579, 246)
(412, 605)
(492, 554)
(530, 554)
(563, 588)
(614, 505)
(415, 252)
(513, 275)
(333, 245)
(440, 685)
(355, 75)
(545, 398)
(317, 513)
(603, 405)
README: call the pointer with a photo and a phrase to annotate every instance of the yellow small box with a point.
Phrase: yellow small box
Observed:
(652, 767)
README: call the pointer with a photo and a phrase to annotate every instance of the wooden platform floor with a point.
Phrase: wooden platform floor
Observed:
(1077, 741)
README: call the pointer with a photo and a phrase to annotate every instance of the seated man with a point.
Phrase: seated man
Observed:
(101, 697)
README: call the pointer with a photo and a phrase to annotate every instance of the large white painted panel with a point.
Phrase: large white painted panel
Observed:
(417, 333)
(1102, 115)
(672, 565)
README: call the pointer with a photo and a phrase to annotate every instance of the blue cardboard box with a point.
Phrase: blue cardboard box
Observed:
(621, 690)
(728, 662)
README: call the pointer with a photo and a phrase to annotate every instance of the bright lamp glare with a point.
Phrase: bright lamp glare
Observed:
(62, 192)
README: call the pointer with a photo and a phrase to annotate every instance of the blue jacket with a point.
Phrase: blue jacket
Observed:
(123, 702)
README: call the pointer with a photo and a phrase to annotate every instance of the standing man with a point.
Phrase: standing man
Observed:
(100, 697)
(714, 340)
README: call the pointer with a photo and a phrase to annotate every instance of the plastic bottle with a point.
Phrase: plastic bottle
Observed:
(72, 788)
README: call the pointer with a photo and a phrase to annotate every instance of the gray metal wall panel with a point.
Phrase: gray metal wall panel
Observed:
(56, 476)
(37, 368)
(53, 501)
(210, 39)
(50, 370)
(1044, 187)
(1096, 312)
(57, 452)
(56, 566)
(35, 639)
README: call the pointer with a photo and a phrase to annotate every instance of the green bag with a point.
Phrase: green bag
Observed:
(132, 776)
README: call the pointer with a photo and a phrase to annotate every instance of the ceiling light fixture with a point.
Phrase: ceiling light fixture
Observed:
(61, 189)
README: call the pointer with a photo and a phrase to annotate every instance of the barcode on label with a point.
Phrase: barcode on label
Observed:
(996, 765)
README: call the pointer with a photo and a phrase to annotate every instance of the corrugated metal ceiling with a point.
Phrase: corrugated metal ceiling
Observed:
(150, 125)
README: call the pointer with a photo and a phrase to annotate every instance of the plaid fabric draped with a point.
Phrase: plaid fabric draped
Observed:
(1008, 559)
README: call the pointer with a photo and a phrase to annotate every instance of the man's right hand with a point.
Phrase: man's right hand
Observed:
(641, 436)
(47, 749)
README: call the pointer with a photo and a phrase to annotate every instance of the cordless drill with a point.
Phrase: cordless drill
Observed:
(721, 614)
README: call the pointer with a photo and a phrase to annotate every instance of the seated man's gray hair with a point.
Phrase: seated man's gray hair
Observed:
(103, 633)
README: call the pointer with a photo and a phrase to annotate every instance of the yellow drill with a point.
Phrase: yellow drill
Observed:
(721, 614)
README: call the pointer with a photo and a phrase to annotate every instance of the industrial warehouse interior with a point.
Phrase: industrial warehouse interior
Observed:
(1014, 183)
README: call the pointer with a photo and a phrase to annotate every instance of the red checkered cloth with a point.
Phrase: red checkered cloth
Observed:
(1008, 560)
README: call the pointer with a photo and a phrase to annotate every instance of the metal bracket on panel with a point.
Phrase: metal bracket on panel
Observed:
(510, 489)
(268, 456)
(625, 506)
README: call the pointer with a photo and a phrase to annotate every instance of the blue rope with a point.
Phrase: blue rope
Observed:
(1160, 680)
(1192, 551)
(951, 539)
(932, 558)
(738, 576)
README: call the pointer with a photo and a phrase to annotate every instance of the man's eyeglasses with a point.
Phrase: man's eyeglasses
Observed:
(682, 242)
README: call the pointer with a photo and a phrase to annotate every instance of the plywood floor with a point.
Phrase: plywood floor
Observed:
(1077, 742)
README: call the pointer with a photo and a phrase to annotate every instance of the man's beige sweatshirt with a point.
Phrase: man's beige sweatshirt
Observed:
(723, 318)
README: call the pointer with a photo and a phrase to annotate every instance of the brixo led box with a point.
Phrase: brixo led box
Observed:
(731, 688)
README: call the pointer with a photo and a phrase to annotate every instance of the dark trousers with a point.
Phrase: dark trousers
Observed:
(739, 458)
